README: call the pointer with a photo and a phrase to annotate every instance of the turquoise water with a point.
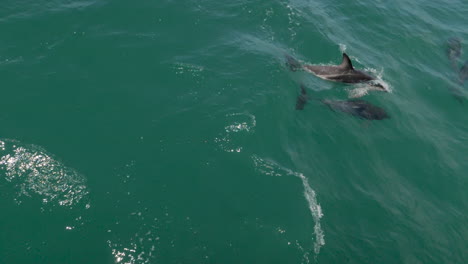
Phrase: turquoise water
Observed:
(165, 132)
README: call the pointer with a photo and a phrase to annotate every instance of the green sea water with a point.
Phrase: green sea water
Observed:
(166, 132)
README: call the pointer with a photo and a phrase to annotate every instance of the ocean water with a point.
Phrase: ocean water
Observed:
(166, 132)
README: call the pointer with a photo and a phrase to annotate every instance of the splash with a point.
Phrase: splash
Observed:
(358, 92)
(271, 168)
(342, 48)
(363, 88)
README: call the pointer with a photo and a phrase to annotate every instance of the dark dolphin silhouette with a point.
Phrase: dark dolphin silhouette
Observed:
(358, 108)
(454, 51)
(301, 99)
(344, 72)
(463, 75)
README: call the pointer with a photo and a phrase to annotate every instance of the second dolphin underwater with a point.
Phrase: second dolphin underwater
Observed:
(454, 48)
(358, 108)
(454, 51)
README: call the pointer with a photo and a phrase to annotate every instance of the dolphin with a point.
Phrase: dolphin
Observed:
(344, 72)
(463, 75)
(358, 108)
(453, 51)
(355, 107)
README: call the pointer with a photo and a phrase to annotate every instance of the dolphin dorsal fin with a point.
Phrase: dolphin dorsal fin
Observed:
(346, 63)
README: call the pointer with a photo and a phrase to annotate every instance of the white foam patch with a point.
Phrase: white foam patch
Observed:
(271, 168)
(378, 75)
(247, 125)
(187, 68)
(359, 91)
(34, 171)
(243, 123)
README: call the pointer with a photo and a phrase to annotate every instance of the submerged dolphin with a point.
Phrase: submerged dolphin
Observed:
(464, 72)
(453, 51)
(358, 108)
(301, 99)
(344, 72)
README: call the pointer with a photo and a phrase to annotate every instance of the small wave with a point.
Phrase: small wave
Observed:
(34, 171)
(271, 168)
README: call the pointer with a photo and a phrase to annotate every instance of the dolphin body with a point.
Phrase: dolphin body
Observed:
(464, 72)
(453, 51)
(359, 108)
(344, 72)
